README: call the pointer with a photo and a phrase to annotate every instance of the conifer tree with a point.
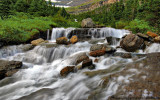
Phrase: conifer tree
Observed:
(21, 6)
(5, 9)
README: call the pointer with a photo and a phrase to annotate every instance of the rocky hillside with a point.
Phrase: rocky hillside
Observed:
(89, 5)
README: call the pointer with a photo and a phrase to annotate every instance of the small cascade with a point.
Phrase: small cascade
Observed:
(12, 50)
(155, 47)
(42, 54)
(60, 32)
(107, 32)
(85, 32)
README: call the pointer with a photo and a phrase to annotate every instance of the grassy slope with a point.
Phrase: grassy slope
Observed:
(22, 27)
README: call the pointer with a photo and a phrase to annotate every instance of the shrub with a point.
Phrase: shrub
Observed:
(121, 24)
(138, 26)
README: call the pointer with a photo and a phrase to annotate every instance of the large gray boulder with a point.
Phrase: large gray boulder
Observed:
(87, 23)
(132, 42)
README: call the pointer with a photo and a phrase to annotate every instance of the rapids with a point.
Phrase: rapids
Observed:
(41, 80)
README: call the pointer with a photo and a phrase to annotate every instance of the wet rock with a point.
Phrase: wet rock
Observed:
(110, 50)
(79, 67)
(27, 47)
(62, 40)
(132, 43)
(157, 39)
(97, 47)
(127, 55)
(151, 34)
(144, 36)
(111, 40)
(37, 42)
(82, 58)
(8, 68)
(147, 43)
(65, 71)
(91, 67)
(1, 44)
(87, 63)
(97, 53)
(95, 41)
(105, 81)
(49, 45)
(74, 39)
(87, 23)
(96, 60)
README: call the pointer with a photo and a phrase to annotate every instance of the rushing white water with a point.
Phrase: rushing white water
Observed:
(93, 32)
(60, 32)
(43, 54)
(155, 47)
(41, 79)
(107, 32)
(12, 50)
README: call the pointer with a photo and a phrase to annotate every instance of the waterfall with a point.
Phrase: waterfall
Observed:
(107, 32)
(41, 79)
(43, 54)
(60, 32)
(12, 50)
(93, 32)
(155, 47)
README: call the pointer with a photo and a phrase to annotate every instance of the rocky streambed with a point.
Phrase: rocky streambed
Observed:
(97, 64)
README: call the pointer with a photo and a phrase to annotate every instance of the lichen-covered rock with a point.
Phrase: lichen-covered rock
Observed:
(97, 53)
(65, 71)
(74, 39)
(151, 34)
(87, 23)
(37, 42)
(132, 43)
(62, 40)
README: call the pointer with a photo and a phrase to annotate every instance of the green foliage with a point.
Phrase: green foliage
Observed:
(21, 29)
(5, 9)
(119, 14)
(137, 26)
(64, 22)
(121, 24)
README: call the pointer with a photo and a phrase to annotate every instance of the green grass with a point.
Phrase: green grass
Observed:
(22, 27)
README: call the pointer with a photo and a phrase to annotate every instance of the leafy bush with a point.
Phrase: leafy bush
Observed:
(138, 26)
(121, 24)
